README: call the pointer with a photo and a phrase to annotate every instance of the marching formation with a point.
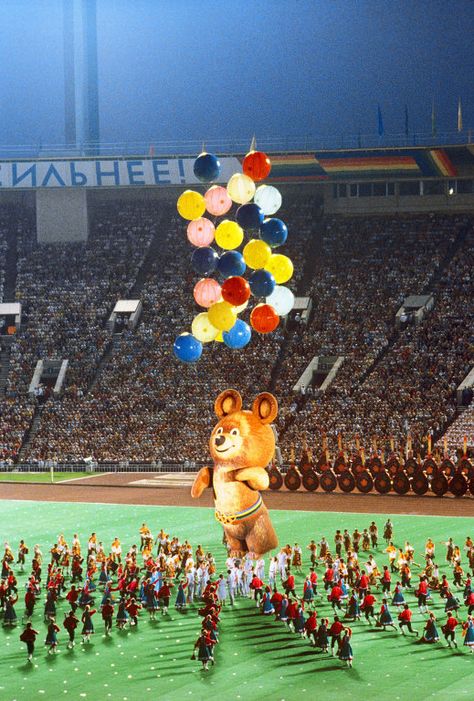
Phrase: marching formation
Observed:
(356, 589)
(350, 587)
(316, 591)
(108, 584)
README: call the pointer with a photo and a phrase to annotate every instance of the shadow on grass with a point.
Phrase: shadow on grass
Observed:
(172, 672)
(271, 635)
(318, 668)
(240, 617)
(27, 667)
(326, 666)
(303, 653)
(88, 648)
(428, 648)
(278, 648)
(51, 659)
(381, 630)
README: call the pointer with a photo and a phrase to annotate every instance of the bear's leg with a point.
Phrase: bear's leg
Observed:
(261, 536)
(237, 547)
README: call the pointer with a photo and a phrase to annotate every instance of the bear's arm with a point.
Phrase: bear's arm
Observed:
(256, 477)
(202, 480)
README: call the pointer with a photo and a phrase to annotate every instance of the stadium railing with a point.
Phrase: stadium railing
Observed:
(104, 467)
(157, 148)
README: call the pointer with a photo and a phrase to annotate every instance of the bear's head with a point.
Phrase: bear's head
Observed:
(243, 438)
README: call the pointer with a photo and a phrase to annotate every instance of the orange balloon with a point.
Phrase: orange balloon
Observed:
(256, 165)
(264, 318)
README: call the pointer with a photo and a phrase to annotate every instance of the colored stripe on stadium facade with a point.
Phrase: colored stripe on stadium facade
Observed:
(324, 165)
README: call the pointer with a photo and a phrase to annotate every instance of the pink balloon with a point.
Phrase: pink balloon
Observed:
(207, 291)
(218, 201)
(201, 232)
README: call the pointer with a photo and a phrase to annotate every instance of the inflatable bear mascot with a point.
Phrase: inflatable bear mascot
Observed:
(242, 443)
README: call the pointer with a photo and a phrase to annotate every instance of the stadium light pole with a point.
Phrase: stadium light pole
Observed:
(81, 83)
(69, 75)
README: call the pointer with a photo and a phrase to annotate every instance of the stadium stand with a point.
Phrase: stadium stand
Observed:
(68, 291)
(462, 427)
(412, 385)
(140, 406)
(127, 398)
(3, 251)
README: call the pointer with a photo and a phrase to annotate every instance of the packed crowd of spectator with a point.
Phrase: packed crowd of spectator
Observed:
(68, 291)
(15, 419)
(147, 406)
(3, 255)
(462, 427)
(413, 387)
(15, 414)
(366, 268)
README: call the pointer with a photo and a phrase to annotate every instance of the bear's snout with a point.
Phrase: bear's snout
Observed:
(219, 440)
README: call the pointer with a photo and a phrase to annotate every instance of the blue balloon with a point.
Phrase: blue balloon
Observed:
(262, 283)
(238, 336)
(204, 260)
(207, 167)
(231, 263)
(187, 348)
(249, 216)
(274, 232)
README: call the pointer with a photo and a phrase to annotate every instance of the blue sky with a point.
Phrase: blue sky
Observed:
(188, 69)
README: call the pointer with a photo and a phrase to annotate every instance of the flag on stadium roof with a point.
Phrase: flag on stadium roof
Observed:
(459, 115)
(380, 121)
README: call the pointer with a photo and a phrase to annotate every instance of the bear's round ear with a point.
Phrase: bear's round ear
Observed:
(265, 407)
(227, 402)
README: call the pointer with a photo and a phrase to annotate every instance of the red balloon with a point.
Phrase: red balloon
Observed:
(256, 165)
(236, 290)
(264, 318)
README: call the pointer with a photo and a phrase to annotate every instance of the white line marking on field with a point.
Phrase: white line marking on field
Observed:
(86, 477)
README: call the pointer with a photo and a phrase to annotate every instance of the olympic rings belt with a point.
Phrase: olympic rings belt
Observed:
(227, 518)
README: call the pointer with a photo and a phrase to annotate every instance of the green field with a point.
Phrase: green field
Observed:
(256, 658)
(40, 476)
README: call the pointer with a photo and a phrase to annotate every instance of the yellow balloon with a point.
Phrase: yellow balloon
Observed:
(219, 338)
(202, 328)
(280, 267)
(240, 188)
(257, 253)
(229, 235)
(191, 204)
(222, 315)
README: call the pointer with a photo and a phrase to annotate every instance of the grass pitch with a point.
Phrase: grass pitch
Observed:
(256, 658)
(42, 477)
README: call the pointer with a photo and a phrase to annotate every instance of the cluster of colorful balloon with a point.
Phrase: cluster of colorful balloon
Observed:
(226, 297)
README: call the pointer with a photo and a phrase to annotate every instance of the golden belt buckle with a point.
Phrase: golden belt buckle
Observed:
(225, 518)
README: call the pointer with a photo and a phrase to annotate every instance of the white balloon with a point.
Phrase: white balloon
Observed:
(268, 199)
(202, 328)
(240, 188)
(282, 300)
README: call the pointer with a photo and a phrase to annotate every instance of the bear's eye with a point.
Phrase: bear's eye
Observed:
(219, 431)
(235, 432)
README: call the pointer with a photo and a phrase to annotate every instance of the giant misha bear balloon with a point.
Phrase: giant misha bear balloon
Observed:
(242, 443)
